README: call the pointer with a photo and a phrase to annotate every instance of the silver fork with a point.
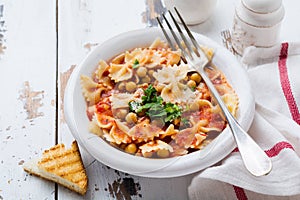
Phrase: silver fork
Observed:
(226, 38)
(255, 159)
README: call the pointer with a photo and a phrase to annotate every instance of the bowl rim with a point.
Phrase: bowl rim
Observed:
(150, 167)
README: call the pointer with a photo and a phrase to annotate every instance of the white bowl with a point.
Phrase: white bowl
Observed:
(75, 111)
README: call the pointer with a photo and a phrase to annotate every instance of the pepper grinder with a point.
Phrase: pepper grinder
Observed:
(256, 23)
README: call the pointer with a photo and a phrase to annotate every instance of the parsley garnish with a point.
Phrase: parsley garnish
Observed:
(185, 121)
(136, 64)
(193, 88)
(151, 96)
(173, 112)
(154, 106)
(133, 106)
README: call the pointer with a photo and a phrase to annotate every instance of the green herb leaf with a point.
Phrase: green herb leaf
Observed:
(136, 64)
(155, 107)
(134, 106)
(144, 107)
(150, 95)
(173, 112)
(193, 88)
(185, 121)
(156, 111)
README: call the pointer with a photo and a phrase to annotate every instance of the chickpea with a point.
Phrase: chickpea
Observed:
(121, 114)
(146, 79)
(148, 154)
(130, 86)
(150, 72)
(163, 153)
(191, 84)
(196, 77)
(121, 86)
(131, 148)
(131, 118)
(141, 71)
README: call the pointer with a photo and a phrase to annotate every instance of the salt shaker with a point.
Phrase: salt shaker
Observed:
(256, 23)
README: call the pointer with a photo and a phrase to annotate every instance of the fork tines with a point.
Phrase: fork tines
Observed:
(227, 41)
(190, 49)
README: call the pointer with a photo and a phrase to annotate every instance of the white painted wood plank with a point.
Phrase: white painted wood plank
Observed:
(27, 82)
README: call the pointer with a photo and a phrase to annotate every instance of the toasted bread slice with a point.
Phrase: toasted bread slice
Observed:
(63, 166)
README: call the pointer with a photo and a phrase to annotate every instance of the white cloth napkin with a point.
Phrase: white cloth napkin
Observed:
(275, 80)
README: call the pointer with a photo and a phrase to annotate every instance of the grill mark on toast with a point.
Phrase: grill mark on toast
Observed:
(63, 166)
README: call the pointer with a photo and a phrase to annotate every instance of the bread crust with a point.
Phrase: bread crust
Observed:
(61, 165)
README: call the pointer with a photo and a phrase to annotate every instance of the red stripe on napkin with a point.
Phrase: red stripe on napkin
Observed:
(285, 83)
(274, 151)
(240, 193)
(235, 150)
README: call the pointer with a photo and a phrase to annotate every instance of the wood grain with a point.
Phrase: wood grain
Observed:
(2, 30)
(27, 82)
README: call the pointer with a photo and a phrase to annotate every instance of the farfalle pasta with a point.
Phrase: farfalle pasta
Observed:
(147, 102)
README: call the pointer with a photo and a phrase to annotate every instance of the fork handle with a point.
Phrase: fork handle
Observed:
(254, 158)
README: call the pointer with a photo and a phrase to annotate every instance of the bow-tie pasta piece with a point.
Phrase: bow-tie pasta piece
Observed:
(101, 74)
(174, 90)
(92, 90)
(118, 134)
(144, 131)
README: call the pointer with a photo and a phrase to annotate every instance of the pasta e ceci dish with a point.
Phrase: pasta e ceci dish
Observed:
(147, 102)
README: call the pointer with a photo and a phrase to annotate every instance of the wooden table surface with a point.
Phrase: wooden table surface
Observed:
(41, 42)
